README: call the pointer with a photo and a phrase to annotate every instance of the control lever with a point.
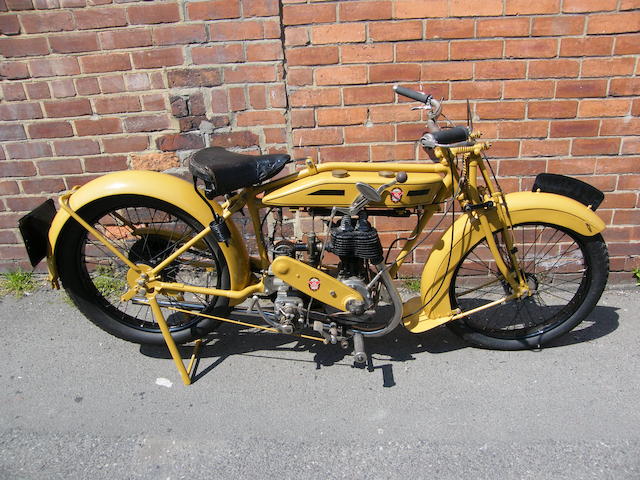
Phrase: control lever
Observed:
(368, 194)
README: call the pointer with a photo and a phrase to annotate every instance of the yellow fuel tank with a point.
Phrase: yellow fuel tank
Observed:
(338, 188)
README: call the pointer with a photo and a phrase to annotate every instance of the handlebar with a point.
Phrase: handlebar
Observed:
(414, 95)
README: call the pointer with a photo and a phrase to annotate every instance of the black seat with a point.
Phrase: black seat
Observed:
(225, 171)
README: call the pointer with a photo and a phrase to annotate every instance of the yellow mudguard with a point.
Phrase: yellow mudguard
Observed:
(465, 233)
(164, 187)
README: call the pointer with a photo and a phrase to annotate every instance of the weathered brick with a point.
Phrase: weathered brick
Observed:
(627, 44)
(9, 187)
(12, 132)
(367, 134)
(46, 22)
(302, 118)
(63, 88)
(391, 114)
(574, 128)
(213, 10)
(447, 71)
(476, 49)
(529, 129)
(153, 13)
(100, 18)
(257, 73)
(260, 117)
(205, 77)
(241, 30)
(581, 88)
(368, 94)
(234, 139)
(501, 110)
(9, 24)
(450, 28)
(98, 126)
(394, 73)
(312, 56)
(393, 31)
(475, 8)
(557, 26)
(125, 38)
(589, 46)
(179, 34)
(264, 52)
(531, 48)
(367, 53)
(309, 14)
(17, 169)
(158, 57)
(45, 185)
(605, 67)
(13, 92)
(422, 51)
(67, 148)
(179, 141)
(64, 166)
(215, 54)
(317, 136)
(614, 23)
(336, 33)
(146, 123)
(624, 87)
(13, 70)
(553, 109)
(154, 161)
(615, 126)
(117, 104)
(582, 6)
(553, 68)
(18, 151)
(129, 143)
(74, 42)
(340, 116)
(526, 7)
(476, 90)
(68, 108)
(341, 75)
(528, 89)
(604, 107)
(502, 27)
(420, 8)
(52, 67)
(20, 111)
(23, 47)
(595, 146)
(105, 163)
(261, 8)
(109, 62)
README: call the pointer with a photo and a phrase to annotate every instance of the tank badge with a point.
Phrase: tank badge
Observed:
(314, 284)
(396, 195)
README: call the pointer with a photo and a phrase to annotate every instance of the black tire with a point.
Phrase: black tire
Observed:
(146, 230)
(567, 272)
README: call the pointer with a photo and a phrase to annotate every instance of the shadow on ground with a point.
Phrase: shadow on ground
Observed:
(398, 346)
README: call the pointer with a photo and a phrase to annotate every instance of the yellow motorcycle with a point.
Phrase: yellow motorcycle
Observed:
(155, 259)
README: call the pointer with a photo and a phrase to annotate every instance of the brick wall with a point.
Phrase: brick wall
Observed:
(91, 86)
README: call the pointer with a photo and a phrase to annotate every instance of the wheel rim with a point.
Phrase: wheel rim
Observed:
(147, 234)
(554, 263)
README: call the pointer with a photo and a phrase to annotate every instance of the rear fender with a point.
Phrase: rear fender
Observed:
(163, 187)
(465, 233)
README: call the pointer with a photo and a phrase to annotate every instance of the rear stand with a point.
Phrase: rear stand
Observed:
(185, 373)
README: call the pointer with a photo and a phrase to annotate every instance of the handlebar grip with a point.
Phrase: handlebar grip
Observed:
(451, 135)
(407, 92)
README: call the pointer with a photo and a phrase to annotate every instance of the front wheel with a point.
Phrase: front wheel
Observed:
(146, 230)
(565, 271)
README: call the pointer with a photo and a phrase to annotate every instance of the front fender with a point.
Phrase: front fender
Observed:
(164, 187)
(466, 233)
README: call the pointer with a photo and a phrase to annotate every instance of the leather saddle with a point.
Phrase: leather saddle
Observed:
(223, 171)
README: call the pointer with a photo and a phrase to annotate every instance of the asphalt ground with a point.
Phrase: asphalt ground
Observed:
(76, 403)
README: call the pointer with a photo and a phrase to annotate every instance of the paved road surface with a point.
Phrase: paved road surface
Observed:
(76, 403)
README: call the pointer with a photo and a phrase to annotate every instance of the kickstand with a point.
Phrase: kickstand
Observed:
(185, 373)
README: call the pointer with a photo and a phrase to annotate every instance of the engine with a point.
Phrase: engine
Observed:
(355, 245)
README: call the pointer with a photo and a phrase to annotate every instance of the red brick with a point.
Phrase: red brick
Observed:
(557, 26)
(38, 90)
(501, 110)
(366, 10)
(153, 102)
(299, 76)
(528, 89)
(146, 123)
(630, 146)
(14, 70)
(100, 18)
(614, 23)
(628, 4)
(105, 164)
(555, 68)
(581, 6)
(296, 36)
(502, 27)
(12, 132)
(476, 90)
(53, 67)
(237, 99)
(604, 108)
(264, 52)
(500, 69)
(625, 182)
(521, 167)
(23, 47)
(260, 117)
(367, 134)
(581, 88)
(109, 62)
(530, 129)
(9, 24)
(73, 3)
(18, 151)
(213, 10)
(350, 75)
(302, 118)
(391, 114)
(17, 169)
(125, 38)
(46, 22)
(74, 42)
(258, 97)
(50, 130)
(112, 84)
(622, 165)
(312, 56)
(158, 57)
(526, 7)
(47, 185)
(341, 116)
(256, 73)
(234, 139)
(243, 30)
(627, 44)
(317, 136)
(179, 34)
(476, 49)
(153, 13)
(205, 77)
(13, 92)
(127, 144)
(410, 132)
(367, 53)
(531, 48)
(368, 94)
(420, 9)
(393, 31)
(68, 148)
(217, 54)
(9, 187)
(380, 153)
(553, 109)
(99, 126)
(260, 8)
(422, 51)
(337, 33)
(572, 166)
(574, 128)
(606, 67)
(117, 104)
(315, 97)
(20, 111)
(447, 71)
(616, 126)
(475, 8)
(344, 154)
(68, 108)
(450, 28)
(595, 146)
(394, 73)
(63, 88)
(584, 47)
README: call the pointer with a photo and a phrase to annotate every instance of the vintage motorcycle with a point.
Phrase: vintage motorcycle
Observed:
(155, 259)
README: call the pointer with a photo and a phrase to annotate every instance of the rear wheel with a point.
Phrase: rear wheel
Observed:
(565, 271)
(146, 230)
